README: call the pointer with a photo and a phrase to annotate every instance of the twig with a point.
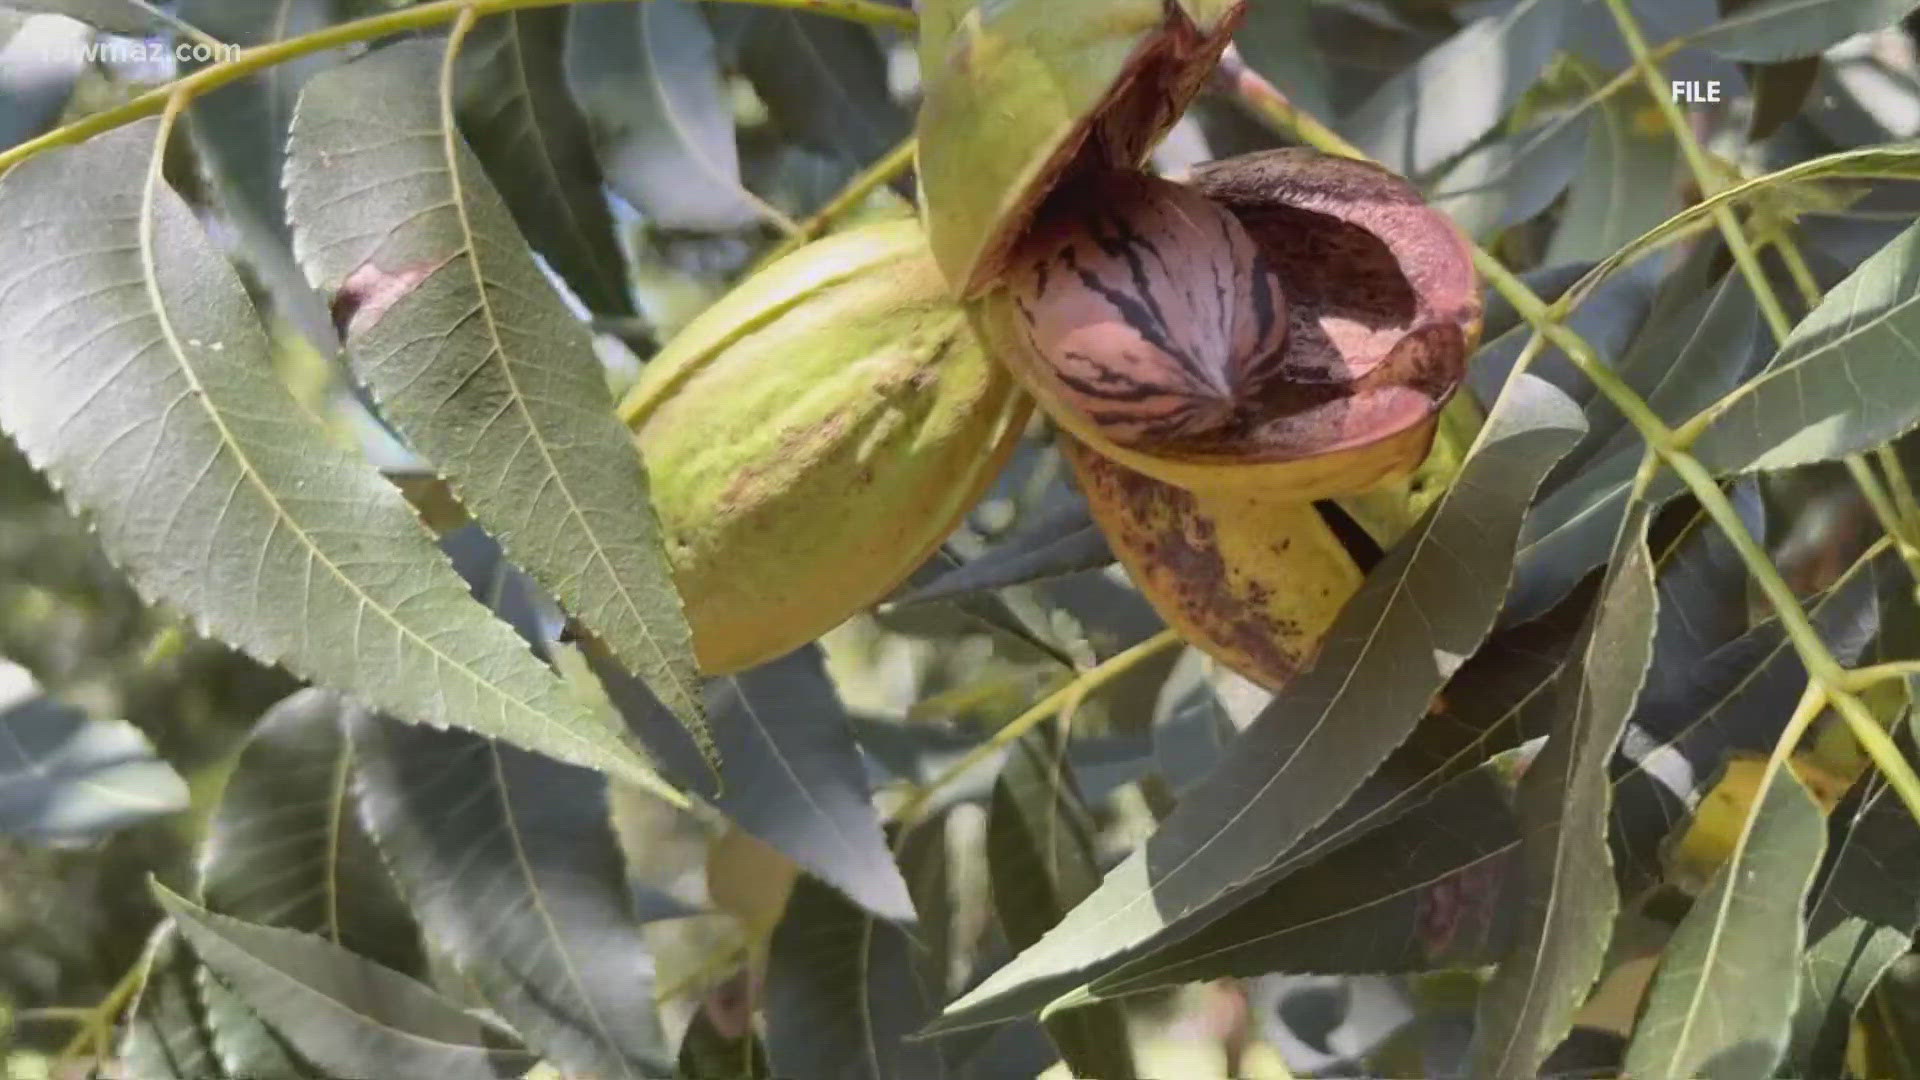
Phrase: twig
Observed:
(896, 162)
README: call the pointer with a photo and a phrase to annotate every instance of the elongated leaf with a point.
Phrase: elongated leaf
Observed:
(133, 17)
(240, 133)
(842, 996)
(1569, 900)
(1064, 542)
(64, 777)
(1865, 913)
(1459, 91)
(1627, 184)
(649, 81)
(1508, 181)
(1847, 380)
(790, 772)
(1434, 888)
(133, 370)
(246, 1045)
(824, 80)
(167, 1037)
(1784, 29)
(475, 358)
(510, 862)
(523, 125)
(1417, 617)
(1042, 862)
(346, 1013)
(285, 847)
(1723, 997)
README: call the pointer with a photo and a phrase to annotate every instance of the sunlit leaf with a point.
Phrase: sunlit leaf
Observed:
(1569, 901)
(346, 1013)
(1628, 183)
(523, 125)
(1459, 91)
(510, 862)
(1416, 619)
(650, 84)
(1724, 994)
(133, 17)
(1847, 380)
(137, 376)
(1510, 180)
(475, 358)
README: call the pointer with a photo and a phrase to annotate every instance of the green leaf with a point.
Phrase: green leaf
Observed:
(1431, 889)
(511, 865)
(790, 772)
(1510, 180)
(246, 1046)
(1459, 91)
(1721, 1001)
(1569, 900)
(1065, 541)
(1628, 183)
(240, 133)
(134, 372)
(842, 994)
(475, 358)
(65, 778)
(1277, 41)
(285, 849)
(1845, 381)
(1865, 914)
(707, 1053)
(649, 81)
(344, 1012)
(824, 80)
(1785, 29)
(1042, 860)
(167, 1037)
(1418, 616)
(523, 125)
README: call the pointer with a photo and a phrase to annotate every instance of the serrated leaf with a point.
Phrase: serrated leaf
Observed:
(1431, 889)
(1459, 91)
(246, 1046)
(134, 372)
(1569, 900)
(66, 778)
(135, 18)
(1510, 180)
(824, 80)
(1627, 183)
(475, 358)
(346, 1013)
(285, 847)
(523, 125)
(842, 995)
(1785, 29)
(790, 772)
(510, 862)
(240, 133)
(167, 1036)
(649, 81)
(1722, 999)
(1417, 617)
(40, 61)
(1042, 861)
(1846, 380)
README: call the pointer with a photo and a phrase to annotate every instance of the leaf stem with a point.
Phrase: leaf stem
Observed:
(418, 17)
(1066, 697)
(884, 171)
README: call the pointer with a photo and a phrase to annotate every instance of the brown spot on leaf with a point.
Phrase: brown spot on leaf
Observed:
(370, 291)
